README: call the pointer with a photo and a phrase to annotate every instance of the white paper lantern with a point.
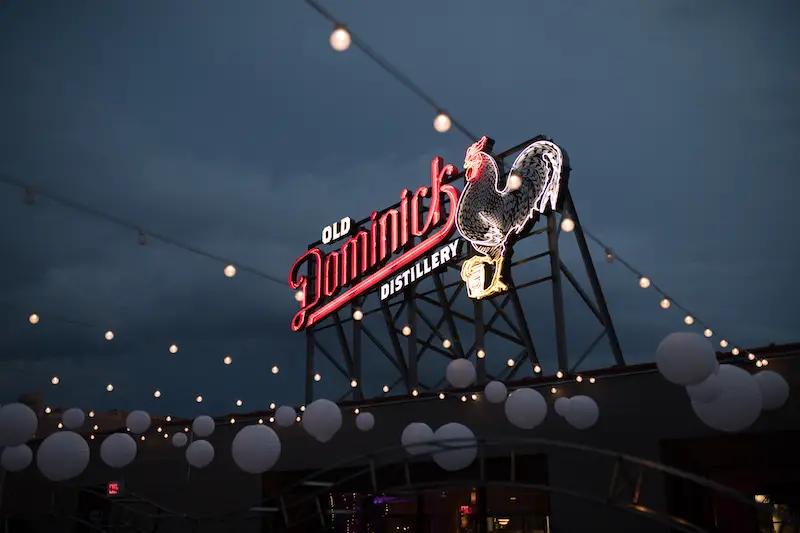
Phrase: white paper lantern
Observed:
(705, 391)
(774, 389)
(685, 358)
(526, 408)
(203, 426)
(63, 455)
(138, 422)
(118, 450)
(322, 419)
(285, 416)
(495, 392)
(737, 405)
(18, 424)
(256, 449)
(73, 418)
(561, 406)
(414, 434)
(463, 451)
(179, 440)
(461, 373)
(582, 413)
(16, 458)
(200, 453)
(365, 421)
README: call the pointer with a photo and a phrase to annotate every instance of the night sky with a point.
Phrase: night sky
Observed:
(234, 127)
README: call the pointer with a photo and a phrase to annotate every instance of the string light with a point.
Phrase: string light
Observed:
(689, 320)
(442, 123)
(735, 351)
(186, 430)
(579, 379)
(168, 419)
(157, 394)
(759, 364)
(238, 403)
(272, 406)
(109, 387)
(297, 419)
(644, 282)
(227, 360)
(592, 380)
(199, 399)
(707, 332)
(665, 303)
(302, 408)
(723, 343)
(317, 377)
(91, 414)
(298, 296)
(340, 39)
(233, 420)
(414, 393)
(354, 384)
(553, 390)
(271, 419)
(764, 362)
(142, 437)
(109, 335)
(537, 369)
(47, 410)
(514, 182)
(446, 343)
(463, 398)
(510, 362)
(173, 349)
(751, 356)
(358, 314)
(275, 370)
(441, 396)
(406, 331)
(55, 380)
(260, 420)
(91, 437)
(481, 354)
(386, 388)
(166, 435)
(230, 271)
(567, 224)
(60, 425)
(33, 319)
(356, 410)
(474, 397)
(559, 374)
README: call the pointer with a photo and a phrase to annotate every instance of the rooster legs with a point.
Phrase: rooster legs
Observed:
(473, 274)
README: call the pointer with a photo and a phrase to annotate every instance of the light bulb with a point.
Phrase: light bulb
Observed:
(33, 319)
(579, 379)
(55, 380)
(665, 303)
(442, 123)
(91, 437)
(297, 419)
(553, 390)
(109, 335)
(406, 331)
(735, 351)
(166, 435)
(764, 362)
(592, 380)
(238, 403)
(60, 425)
(481, 354)
(751, 356)
(198, 399)
(463, 398)
(567, 224)
(356, 411)
(559, 374)
(142, 437)
(758, 364)
(47, 410)
(474, 397)
(230, 271)
(275, 370)
(302, 408)
(441, 396)
(227, 360)
(537, 369)
(340, 39)
(271, 419)
(386, 388)
(260, 420)
(446, 343)
(354, 384)
(689, 320)
(414, 392)
(357, 314)
(233, 420)
(91, 414)
(708, 332)
(109, 387)
(157, 429)
(644, 282)
(723, 343)
(609, 256)
(317, 377)
(157, 394)
(298, 296)
(510, 362)
(168, 419)
(173, 348)
(186, 430)
(272, 406)
(514, 182)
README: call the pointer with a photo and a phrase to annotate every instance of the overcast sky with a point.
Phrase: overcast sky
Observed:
(236, 128)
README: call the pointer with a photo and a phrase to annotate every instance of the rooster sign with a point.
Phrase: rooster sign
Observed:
(488, 216)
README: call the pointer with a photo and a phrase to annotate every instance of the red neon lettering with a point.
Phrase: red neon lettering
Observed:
(296, 280)
(331, 282)
(404, 217)
(349, 256)
(373, 233)
(389, 218)
(421, 193)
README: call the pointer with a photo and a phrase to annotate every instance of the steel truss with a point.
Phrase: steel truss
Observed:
(438, 311)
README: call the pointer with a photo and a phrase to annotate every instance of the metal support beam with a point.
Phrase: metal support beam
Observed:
(395, 340)
(411, 349)
(309, 396)
(480, 341)
(558, 296)
(458, 349)
(358, 392)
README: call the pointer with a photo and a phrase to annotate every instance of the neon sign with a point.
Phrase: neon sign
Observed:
(489, 217)
(372, 256)
(113, 488)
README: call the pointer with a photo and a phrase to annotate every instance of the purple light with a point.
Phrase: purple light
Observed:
(387, 499)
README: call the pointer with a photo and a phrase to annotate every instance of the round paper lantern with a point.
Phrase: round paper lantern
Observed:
(18, 423)
(322, 419)
(737, 405)
(203, 426)
(495, 392)
(365, 421)
(561, 406)
(526, 408)
(285, 416)
(138, 422)
(415, 434)
(705, 391)
(16, 458)
(582, 413)
(73, 418)
(200, 453)
(685, 358)
(179, 440)
(774, 389)
(63, 455)
(452, 456)
(256, 449)
(461, 373)
(118, 450)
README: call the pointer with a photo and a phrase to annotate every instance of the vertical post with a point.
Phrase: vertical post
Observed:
(595, 282)
(411, 310)
(358, 392)
(420, 525)
(309, 366)
(483, 510)
(558, 299)
(480, 362)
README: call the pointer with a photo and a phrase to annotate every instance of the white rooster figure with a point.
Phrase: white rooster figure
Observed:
(487, 215)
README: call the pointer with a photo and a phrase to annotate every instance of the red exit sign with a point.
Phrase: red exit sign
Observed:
(113, 488)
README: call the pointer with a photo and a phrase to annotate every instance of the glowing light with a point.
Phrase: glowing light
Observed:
(446, 343)
(91, 414)
(414, 392)
(159, 429)
(173, 349)
(356, 410)
(481, 354)
(275, 370)
(199, 399)
(758, 364)
(340, 39)
(298, 296)
(665, 303)
(233, 420)
(592, 380)
(109, 387)
(553, 390)
(567, 224)
(510, 362)
(109, 335)
(386, 388)
(55, 380)
(764, 362)
(302, 408)
(271, 419)
(579, 379)
(751, 356)
(272, 406)
(260, 420)
(91, 437)
(297, 419)
(142, 437)
(166, 435)
(33, 319)
(609, 256)
(230, 271)
(708, 332)
(227, 360)
(474, 397)
(169, 418)
(441, 396)
(723, 343)
(157, 394)
(317, 377)
(689, 320)
(186, 430)
(442, 123)
(238, 403)
(354, 384)
(644, 282)
(514, 182)
(476, 163)
(559, 374)
(406, 331)
(47, 410)
(357, 314)
(735, 351)
(463, 398)
(60, 425)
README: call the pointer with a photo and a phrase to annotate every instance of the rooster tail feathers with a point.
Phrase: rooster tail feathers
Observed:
(543, 162)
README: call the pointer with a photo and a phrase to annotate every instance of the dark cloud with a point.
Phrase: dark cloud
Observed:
(241, 132)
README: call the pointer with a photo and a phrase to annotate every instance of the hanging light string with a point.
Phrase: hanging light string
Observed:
(232, 267)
